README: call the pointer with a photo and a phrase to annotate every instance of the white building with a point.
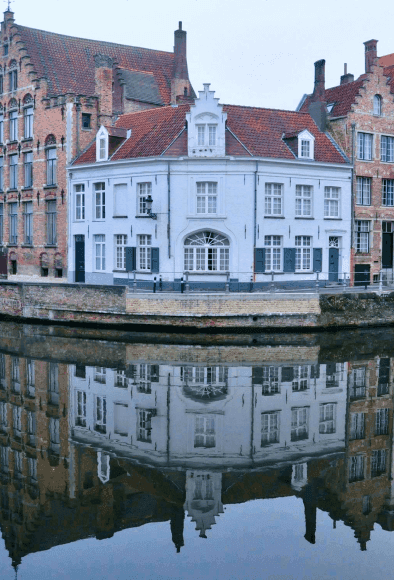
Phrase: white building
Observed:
(238, 193)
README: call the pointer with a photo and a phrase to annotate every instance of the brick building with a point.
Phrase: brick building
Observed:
(56, 91)
(359, 114)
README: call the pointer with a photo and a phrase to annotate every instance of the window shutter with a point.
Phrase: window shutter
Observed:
(154, 373)
(287, 374)
(257, 375)
(155, 268)
(130, 259)
(289, 259)
(259, 260)
(131, 372)
(317, 259)
(315, 371)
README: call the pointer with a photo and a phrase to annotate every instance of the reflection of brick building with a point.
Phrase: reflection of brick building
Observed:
(55, 92)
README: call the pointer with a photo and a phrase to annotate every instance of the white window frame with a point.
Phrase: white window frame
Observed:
(205, 432)
(299, 423)
(51, 162)
(144, 188)
(273, 199)
(382, 421)
(99, 252)
(304, 201)
(102, 145)
(120, 251)
(357, 426)
(377, 105)
(28, 113)
(387, 148)
(378, 462)
(306, 145)
(363, 190)
(206, 197)
(206, 251)
(79, 193)
(327, 418)
(303, 254)
(270, 428)
(99, 201)
(364, 146)
(80, 409)
(332, 202)
(100, 414)
(273, 253)
(362, 233)
(144, 425)
(13, 125)
(144, 245)
(388, 192)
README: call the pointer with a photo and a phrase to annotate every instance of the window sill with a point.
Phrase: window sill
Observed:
(50, 246)
(301, 217)
(27, 188)
(119, 216)
(12, 245)
(363, 204)
(205, 273)
(13, 142)
(50, 186)
(368, 160)
(122, 271)
(198, 216)
(333, 218)
(274, 217)
(142, 216)
(86, 128)
(27, 246)
(363, 254)
(302, 272)
(11, 190)
(27, 140)
(270, 272)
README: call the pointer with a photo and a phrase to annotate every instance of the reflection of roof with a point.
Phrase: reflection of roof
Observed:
(205, 393)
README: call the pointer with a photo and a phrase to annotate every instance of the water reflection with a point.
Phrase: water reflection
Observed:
(90, 450)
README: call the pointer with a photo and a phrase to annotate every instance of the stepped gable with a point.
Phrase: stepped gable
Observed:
(261, 131)
(68, 64)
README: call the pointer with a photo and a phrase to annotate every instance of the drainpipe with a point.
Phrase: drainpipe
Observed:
(255, 218)
(169, 211)
(77, 109)
(352, 224)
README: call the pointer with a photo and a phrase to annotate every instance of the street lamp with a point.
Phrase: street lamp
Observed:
(148, 203)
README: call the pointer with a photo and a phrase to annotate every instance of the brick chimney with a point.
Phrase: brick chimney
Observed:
(318, 106)
(371, 54)
(180, 84)
(346, 77)
(103, 77)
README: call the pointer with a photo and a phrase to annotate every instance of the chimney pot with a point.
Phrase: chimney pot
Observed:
(345, 69)
(180, 25)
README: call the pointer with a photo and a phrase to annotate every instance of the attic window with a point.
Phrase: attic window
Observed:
(330, 107)
(102, 148)
(377, 105)
(86, 121)
(305, 148)
(305, 145)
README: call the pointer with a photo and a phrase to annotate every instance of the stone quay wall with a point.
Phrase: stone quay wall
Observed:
(114, 305)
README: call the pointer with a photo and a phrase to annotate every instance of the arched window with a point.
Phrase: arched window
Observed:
(377, 105)
(28, 116)
(206, 252)
(50, 144)
(13, 75)
(13, 116)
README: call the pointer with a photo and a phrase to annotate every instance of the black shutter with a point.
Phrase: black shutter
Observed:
(317, 259)
(130, 259)
(154, 373)
(259, 259)
(257, 375)
(287, 374)
(331, 368)
(289, 259)
(131, 372)
(154, 256)
(315, 371)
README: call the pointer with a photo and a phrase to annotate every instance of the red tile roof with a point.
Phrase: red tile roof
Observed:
(251, 131)
(68, 62)
(342, 96)
(387, 60)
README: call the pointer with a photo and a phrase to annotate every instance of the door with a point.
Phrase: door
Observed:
(333, 258)
(362, 274)
(80, 258)
(3, 262)
(387, 251)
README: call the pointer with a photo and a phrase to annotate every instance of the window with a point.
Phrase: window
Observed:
(206, 197)
(28, 222)
(206, 135)
(13, 209)
(303, 253)
(143, 190)
(51, 222)
(204, 432)
(121, 380)
(270, 428)
(4, 457)
(367, 505)
(364, 146)
(144, 425)
(53, 384)
(28, 168)
(51, 166)
(54, 435)
(31, 427)
(5, 49)
(13, 171)
(362, 236)
(1, 127)
(299, 423)
(144, 252)
(80, 418)
(305, 148)
(356, 468)
(206, 252)
(1, 222)
(377, 105)
(100, 375)
(300, 380)
(334, 373)
(99, 200)
(100, 423)
(212, 135)
(3, 416)
(358, 379)
(357, 425)
(17, 420)
(270, 380)
(1, 84)
(18, 465)
(303, 201)
(201, 134)
(388, 192)
(13, 78)
(273, 253)
(1, 173)
(15, 376)
(387, 148)
(121, 419)
(32, 470)
(273, 199)
(363, 191)
(120, 251)
(331, 202)
(378, 464)
(103, 148)
(86, 121)
(382, 422)
(28, 122)
(79, 201)
(384, 377)
(30, 378)
(13, 125)
(327, 420)
(99, 251)
(80, 371)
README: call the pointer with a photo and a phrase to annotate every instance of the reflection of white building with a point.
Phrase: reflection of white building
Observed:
(203, 498)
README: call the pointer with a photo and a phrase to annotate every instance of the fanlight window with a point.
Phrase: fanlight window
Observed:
(207, 252)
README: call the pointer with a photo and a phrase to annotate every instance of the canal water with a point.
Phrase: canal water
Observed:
(155, 456)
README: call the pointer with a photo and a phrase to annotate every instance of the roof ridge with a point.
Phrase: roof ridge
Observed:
(92, 39)
(147, 111)
(266, 109)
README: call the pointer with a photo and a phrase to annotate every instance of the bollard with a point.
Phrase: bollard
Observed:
(228, 282)
(135, 282)
(154, 285)
(380, 281)
(251, 284)
(317, 281)
(272, 288)
(182, 285)
(160, 284)
(187, 287)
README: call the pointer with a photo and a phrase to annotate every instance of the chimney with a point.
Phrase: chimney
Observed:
(103, 76)
(346, 77)
(371, 54)
(317, 107)
(180, 84)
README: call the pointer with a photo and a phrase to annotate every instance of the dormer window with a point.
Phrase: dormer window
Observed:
(102, 144)
(212, 135)
(306, 145)
(206, 123)
(201, 135)
(330, 107)
(102, 149)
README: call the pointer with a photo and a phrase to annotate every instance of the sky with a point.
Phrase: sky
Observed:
(254, 53)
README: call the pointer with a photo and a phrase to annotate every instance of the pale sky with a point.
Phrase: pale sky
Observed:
(256, 53)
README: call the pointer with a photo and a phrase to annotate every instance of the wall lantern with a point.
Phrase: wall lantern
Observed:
(148, 202)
